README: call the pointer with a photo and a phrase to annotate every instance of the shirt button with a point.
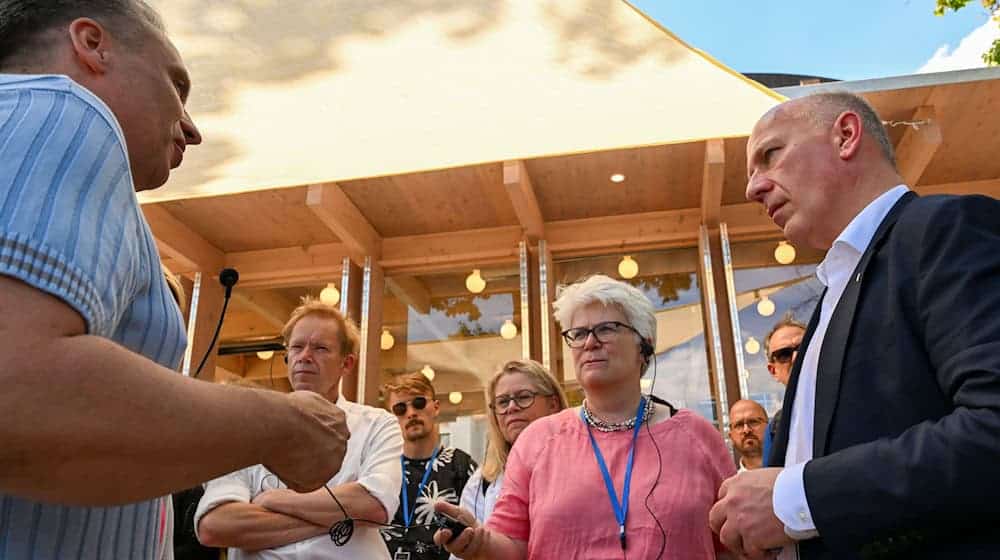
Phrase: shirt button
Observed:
(803, 517)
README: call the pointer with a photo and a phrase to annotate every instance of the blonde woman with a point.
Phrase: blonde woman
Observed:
(520, 393)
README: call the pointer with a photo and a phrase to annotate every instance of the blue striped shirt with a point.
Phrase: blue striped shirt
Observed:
(70, 226)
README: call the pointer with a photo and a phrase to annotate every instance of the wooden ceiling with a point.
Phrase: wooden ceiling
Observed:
(428, 230)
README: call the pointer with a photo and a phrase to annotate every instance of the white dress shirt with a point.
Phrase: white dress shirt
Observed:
(372, 460)
(789, 501)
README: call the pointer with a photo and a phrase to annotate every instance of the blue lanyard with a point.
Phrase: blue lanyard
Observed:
(621, 509)
(407, 514)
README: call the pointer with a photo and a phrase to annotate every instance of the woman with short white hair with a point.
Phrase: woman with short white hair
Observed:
(622, 476)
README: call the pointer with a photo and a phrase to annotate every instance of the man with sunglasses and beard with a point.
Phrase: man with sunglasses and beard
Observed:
(781, 346)
(431, 472)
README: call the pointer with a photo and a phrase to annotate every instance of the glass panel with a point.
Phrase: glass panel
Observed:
(460, 338)
(765, 292)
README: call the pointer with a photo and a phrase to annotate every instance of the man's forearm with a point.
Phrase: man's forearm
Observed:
(319, 508)
(88, 422)
(251, 527)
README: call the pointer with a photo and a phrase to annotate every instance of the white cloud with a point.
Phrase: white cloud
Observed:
(968, 53)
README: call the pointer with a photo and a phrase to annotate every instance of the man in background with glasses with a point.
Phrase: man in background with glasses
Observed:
(747, 423)
(781, 346)
(431, 472)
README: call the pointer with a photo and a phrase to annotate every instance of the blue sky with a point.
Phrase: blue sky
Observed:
(848, 39)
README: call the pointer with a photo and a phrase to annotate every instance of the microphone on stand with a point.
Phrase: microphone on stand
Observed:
(228, 278)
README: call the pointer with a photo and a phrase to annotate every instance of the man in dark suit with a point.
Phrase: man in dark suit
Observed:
(890, 437)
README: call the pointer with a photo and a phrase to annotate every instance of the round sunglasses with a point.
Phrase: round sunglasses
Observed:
(418, 403)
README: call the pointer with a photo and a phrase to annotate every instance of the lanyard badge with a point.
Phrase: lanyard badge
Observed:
(621, 508)
(407, 512)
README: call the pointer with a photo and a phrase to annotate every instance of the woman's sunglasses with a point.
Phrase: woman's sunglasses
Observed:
(418, 403)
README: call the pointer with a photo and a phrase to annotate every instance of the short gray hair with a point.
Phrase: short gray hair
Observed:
(824, 108)
(636, 307)
(25, 23)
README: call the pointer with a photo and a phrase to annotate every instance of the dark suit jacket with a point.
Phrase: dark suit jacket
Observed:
(907, 415)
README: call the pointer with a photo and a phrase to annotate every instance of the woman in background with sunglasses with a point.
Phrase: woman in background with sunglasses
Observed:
(622, 476)
(520, 393)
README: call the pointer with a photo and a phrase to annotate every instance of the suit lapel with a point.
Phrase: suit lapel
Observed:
(780, 446)
(838, 334)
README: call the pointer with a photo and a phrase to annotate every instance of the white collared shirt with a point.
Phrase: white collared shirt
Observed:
(789, 502)
(372, 460)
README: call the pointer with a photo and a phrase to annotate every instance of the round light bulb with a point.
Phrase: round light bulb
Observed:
(628, 268)
(508, 330)
(387, 341)
(752, 346)
(784, 253)
(617, 178)
(765, 307)
(265, 354)
(428, 372)
(454, 397)
(330, 295)
(474, 282)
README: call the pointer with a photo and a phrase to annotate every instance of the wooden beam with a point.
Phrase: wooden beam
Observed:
(290, 266)
(440, 252)
(343, 218)
(713, 177)
(411, 291)
(181, 244)
(522, 196)
(988, 187)
(917, 147)
(272, 307)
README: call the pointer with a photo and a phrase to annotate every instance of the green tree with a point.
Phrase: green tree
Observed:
(992, 56)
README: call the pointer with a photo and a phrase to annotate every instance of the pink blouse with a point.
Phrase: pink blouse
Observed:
(554, 497)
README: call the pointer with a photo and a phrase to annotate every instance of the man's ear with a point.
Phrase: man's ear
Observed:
(348, 364)
(770, 369)
(91, 44)
(847, 131)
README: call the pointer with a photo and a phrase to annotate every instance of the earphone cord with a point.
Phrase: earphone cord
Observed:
(659, 471)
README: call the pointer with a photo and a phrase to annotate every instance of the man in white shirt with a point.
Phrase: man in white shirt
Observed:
(253, 513)
(888, 441)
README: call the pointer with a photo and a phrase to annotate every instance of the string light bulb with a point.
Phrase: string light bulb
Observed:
(752, 346)
(784, 253)
(387, 341)
(428, 372)
(455, 397)
(330, 294)
(765, 307)
(628, 268)
(265, 354)
(474, 282)
(508, 330)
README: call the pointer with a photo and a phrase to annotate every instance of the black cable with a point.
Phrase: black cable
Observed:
(659, 467)
(342, 531)
(215, 337)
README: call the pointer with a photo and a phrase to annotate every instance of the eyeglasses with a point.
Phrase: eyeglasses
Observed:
(523, 400)
(604, 332)
(783, 355)
(418, 403)
(752, 423)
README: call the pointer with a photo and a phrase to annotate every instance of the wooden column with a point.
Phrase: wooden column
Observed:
(351, 287)
(543, 333)
(369, 370)
(206, 306)
(723, 372)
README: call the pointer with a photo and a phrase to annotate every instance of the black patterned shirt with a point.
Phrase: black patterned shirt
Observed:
(451, 470)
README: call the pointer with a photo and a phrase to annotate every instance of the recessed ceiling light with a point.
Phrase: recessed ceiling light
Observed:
(617, 178)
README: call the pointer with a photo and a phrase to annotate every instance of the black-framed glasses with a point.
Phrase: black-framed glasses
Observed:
(418, 403)
(783, 355)
(523, 399)
(604, 332)
(752, 423)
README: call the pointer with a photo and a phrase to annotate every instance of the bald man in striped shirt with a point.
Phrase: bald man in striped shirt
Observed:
(96, 425)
